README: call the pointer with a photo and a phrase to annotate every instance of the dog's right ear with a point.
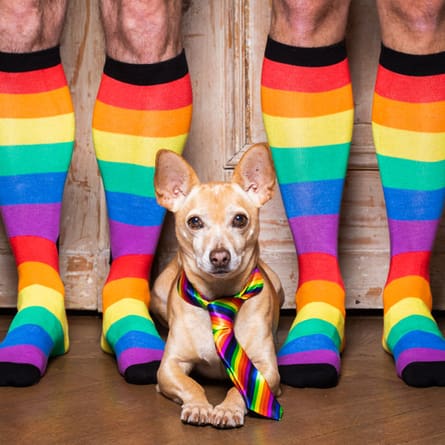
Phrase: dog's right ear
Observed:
(174, 178)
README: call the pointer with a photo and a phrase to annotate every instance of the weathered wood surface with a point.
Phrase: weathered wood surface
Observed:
(224, 43)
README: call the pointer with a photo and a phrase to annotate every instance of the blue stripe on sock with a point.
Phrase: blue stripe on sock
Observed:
(29, 334)
(138, 339)
(312, 198)
(308, 343)
(42, 188)
(414, 205)
(134, 210)
(418, 339)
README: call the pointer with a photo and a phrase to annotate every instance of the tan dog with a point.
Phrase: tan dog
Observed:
(217, 227)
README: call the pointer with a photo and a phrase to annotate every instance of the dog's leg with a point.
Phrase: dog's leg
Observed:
(230, 413)
(175, 383)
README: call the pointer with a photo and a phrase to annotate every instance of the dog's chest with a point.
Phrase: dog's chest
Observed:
(205, 357)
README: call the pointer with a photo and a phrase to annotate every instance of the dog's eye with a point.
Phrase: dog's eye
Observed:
(240, 221)
(195, 223)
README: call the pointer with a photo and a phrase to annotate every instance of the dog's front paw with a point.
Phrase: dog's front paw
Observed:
(197, 413)
(227, 416)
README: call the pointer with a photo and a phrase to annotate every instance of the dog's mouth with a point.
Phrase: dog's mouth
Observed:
(220, 271)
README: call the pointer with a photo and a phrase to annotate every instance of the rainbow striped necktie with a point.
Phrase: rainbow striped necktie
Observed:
(247, 379)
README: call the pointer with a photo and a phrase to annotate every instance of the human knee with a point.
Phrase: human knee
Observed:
(418, 15)
(309, 22)
(139, 15)
(307, 13)
(142, 31)
(30, 25)
(21, 20)
(414, 27)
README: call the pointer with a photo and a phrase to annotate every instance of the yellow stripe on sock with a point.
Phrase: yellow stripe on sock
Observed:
(309, 132)
(404, 308)
(44, 130)
(50, 299)
(409, 144)
(322, 311)
(115, 147)
(123, 308)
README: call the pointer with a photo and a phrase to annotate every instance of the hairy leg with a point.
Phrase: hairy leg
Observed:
(409, 134)
(306, 90)
(36, 142)
(144, 104)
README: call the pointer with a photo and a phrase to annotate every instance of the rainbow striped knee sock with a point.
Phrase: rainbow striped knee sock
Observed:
(409, 133)
(36, 143)
(308, 116)
(139, 110)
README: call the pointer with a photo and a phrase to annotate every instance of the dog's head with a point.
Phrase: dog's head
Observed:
(217, 223)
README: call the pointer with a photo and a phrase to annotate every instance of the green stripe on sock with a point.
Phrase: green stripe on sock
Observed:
(315, 326)
(33, 159)
(307, 164)
(127, 178)
(128, 324)
(407, 174)
(409, 324)
(40, 316)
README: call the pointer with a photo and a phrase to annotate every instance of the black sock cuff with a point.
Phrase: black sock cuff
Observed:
(412, 64)
(305, 56)
(147, 73)
(23, 62)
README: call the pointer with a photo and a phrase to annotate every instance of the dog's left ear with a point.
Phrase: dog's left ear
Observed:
(255, 173)
(174, 178)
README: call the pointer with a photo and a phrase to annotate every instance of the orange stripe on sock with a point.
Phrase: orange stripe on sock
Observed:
(408, 286)
(319, 266)
(405, 115)
(39, 273)
(321, 291)
(298, 104)
(35, 248)
(410, 263)
(50, 103)
(130, 266)
(158, 123)
(116, 290)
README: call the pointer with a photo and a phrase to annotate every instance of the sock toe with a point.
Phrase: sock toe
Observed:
(424, 374)
(142, 374)
(18, 374)
(309, 375)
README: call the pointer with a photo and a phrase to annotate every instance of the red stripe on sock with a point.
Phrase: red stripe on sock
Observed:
(410, 263)
(305, 79)
(417, 89)
(36, 81)
(319, 266)
(165, 96)
(135, 266)
(34, 248)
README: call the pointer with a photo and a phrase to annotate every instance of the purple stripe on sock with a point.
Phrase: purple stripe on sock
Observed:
(127, 239)
(32, 219)
(315, 233)
(25, 354)
(418, 355)
(410, 236)
(136, 356)
(311, 357)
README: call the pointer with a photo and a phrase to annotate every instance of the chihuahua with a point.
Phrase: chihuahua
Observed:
(217, 228)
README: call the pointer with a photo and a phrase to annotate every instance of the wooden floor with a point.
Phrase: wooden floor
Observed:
(83, 400)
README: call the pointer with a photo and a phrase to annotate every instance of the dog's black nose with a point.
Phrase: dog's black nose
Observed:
(219, 257)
